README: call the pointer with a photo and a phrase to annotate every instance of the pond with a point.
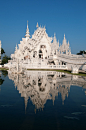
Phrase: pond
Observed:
(42, 100)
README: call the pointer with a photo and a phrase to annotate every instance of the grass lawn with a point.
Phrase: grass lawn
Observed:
(4, 68)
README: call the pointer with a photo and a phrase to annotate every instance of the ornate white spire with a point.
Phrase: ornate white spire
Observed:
(64, 41)
(54, 35)
(54, 39)
(58, 42)
(54, 45)
(27, 31)
(68, 43)
(37, 25)
(16, 47)
(64, 35)
(44, 28)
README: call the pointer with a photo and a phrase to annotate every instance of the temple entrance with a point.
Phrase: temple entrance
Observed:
(35, 54)
(40, 54)
(43, 52)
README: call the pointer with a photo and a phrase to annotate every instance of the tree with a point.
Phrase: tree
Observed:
(2, 51)
(5, 59)
(81, 52)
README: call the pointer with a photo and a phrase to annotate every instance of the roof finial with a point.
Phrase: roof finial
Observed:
(16, 47)
(64, 35)
(58, 42)
(27, 31)
(54, 35)
(27, 24)
(37, 25)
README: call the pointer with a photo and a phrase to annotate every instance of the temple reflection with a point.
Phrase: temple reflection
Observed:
(41, 86)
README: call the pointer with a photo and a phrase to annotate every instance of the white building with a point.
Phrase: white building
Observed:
(42, 51)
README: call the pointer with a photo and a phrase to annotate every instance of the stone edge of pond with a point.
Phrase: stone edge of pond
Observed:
(65, 71)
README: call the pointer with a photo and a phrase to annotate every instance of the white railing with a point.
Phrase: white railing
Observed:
(72, 56)
(69, 59)
(46, 67)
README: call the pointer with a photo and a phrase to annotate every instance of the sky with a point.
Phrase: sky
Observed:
(58, 16)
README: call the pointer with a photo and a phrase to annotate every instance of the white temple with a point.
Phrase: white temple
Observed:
(42, 51)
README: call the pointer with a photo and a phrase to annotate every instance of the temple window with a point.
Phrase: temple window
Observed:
(62, 63)
(40, 51)
(39, 84)
(34, 83)
(39, 56)
(42, 46)
(42, 89)
(34, 55)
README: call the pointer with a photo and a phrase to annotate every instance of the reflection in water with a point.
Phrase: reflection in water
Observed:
(40, 86)
(67, 117)
(1, 81)
(4, 72)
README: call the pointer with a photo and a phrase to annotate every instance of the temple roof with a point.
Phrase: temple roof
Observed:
(38, 35)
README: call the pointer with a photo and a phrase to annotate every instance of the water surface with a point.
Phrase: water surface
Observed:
(39, 100)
